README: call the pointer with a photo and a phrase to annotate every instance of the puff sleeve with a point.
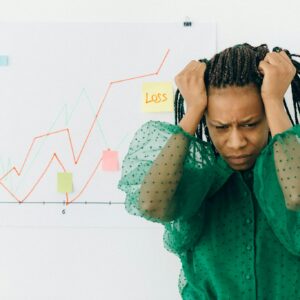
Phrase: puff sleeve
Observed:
(277, 186)
(166, 175)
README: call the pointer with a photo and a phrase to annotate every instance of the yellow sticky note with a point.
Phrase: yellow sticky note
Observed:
(64, 182)
(157, 97)
(110, 161)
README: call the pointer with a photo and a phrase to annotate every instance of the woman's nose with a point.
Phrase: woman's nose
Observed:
(236, 139)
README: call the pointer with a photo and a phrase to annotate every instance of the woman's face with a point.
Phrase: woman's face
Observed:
(237, 124)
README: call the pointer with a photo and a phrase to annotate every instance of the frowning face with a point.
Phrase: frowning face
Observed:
(237, 124)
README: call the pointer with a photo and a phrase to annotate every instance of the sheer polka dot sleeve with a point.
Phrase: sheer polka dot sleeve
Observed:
(162, 164)
(277, 186)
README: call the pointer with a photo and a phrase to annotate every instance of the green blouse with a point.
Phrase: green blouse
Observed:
(237, 233)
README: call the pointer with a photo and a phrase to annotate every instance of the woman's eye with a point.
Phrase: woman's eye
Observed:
(245, 125)
(250, 125)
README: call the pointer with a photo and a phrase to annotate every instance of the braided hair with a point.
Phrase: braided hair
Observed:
(238, 65)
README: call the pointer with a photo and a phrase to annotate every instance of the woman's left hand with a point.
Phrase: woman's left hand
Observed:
(278, 71)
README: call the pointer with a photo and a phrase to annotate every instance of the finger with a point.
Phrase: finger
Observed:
(197, 66)
(198, 63)
(192, 65)
(285, 56)
(186, 67)
(262, 66)
(274, 58)
(289, 62)
(284, 60)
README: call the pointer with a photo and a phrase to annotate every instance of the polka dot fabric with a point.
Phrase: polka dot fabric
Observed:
(237, 234)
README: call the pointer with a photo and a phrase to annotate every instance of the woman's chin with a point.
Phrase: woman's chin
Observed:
(241, 166)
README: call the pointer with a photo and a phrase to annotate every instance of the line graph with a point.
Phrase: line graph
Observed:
(55, 158)
(67, 114)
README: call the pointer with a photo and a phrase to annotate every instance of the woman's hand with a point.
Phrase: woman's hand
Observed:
(190, 82)
(278, 71)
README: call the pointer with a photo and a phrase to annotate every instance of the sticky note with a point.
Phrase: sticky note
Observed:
(64, 182)
(157, 97)
(110, 161)
(3, 60)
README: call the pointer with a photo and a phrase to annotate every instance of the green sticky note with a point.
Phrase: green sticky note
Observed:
(3, 60)
(64, 182)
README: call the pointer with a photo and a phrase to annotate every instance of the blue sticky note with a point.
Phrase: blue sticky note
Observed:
(3, 60)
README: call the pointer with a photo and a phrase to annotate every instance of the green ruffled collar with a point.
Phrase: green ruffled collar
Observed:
(246, 174)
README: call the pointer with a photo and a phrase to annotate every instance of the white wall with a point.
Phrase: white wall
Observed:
(95, 263)
(239, 20)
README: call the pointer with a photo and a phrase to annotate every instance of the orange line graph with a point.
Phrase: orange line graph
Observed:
(75, 159)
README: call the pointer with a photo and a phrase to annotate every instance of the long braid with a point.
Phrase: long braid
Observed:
(238, 66)
(296, 87)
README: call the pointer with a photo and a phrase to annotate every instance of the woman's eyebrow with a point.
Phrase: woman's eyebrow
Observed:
(246, 120)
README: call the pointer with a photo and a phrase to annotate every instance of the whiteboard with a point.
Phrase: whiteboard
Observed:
(71, 91)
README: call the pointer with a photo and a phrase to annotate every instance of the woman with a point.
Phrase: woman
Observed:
(230, 205)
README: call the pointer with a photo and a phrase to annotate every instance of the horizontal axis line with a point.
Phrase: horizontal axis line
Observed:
(59, 202)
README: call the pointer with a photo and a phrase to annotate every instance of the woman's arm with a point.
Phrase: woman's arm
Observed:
(160, 183)
(286, 154)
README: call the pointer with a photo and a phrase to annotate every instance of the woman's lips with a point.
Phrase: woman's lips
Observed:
(238, 160)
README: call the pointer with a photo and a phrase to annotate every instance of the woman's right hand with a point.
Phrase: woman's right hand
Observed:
(190, 82)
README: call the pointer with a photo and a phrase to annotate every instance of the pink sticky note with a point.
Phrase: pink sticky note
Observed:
(110, 160)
